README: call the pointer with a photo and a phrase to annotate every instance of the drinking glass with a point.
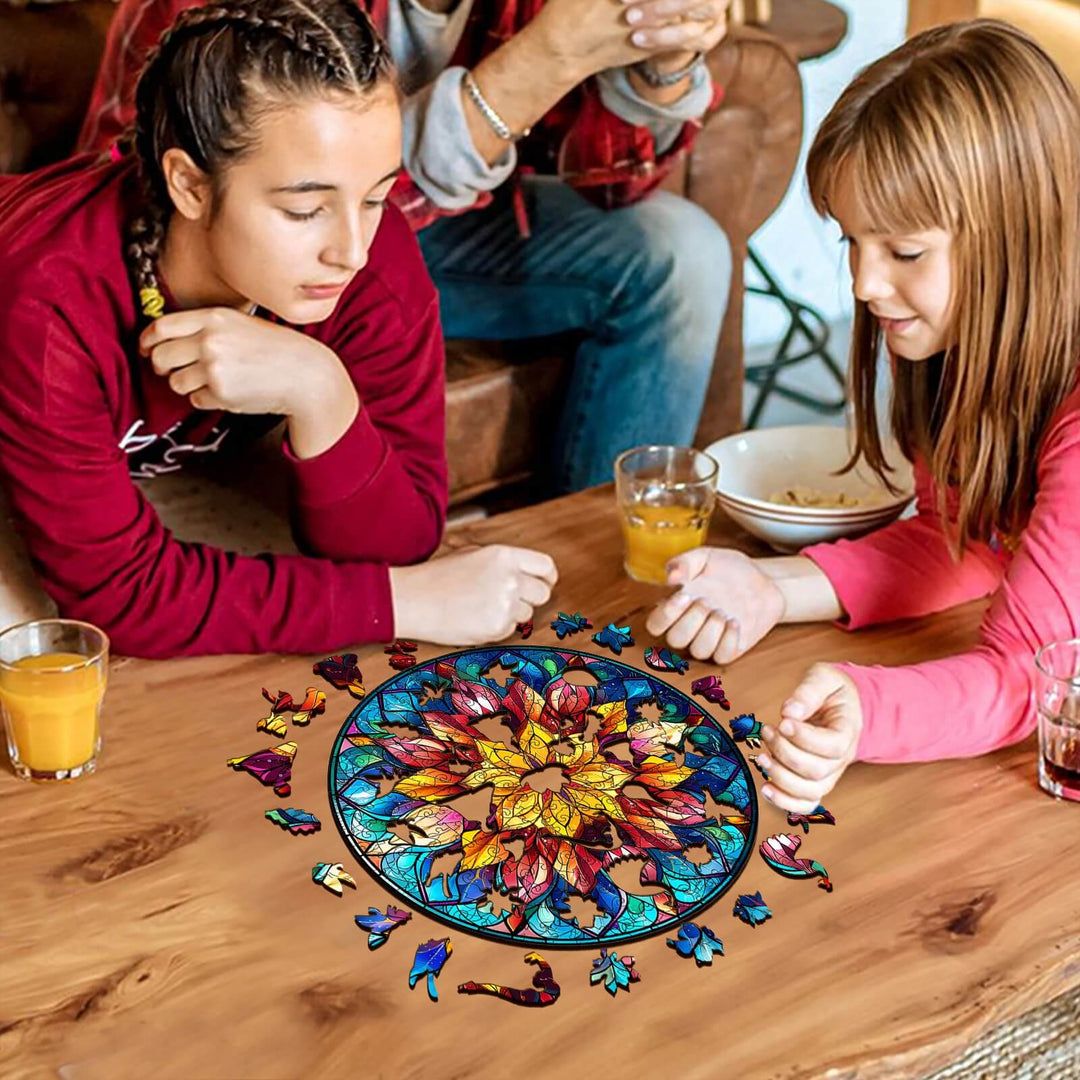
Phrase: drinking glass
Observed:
(1057, 698)
(666, 496)
(52, 680)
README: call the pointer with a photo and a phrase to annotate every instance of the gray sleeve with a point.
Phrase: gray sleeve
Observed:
(664, 121)
(438, 151)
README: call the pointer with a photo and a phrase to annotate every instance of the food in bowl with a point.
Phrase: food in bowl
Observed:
(801, 495)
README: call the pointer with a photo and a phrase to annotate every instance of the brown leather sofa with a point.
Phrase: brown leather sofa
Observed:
(501, 398)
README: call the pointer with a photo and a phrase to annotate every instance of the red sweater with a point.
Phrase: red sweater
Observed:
(81, 411)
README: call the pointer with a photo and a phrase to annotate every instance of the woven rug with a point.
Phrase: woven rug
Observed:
(1043, 1044)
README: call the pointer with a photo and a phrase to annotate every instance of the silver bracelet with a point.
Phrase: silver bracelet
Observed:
(497, 123)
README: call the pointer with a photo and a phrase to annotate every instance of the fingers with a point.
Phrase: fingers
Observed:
(667, 611)
(708, 637)
(533, 590)
(178, 324)
(649, 13)
(684, 36)
(794, 803)
(538, 564)
(813, 738)
(175, 353)
(188, 379)
(809, 696)
(729, 647)
(786, 752)
(688, 625)
(687, 566)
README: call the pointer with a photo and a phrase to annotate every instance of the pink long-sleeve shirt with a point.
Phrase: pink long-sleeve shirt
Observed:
(964, 705)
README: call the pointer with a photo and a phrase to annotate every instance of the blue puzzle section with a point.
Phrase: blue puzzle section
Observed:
(485, 720)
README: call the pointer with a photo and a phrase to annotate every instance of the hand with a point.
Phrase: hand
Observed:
(724, 607)
(672, 31)
(223, 359)
(585, 36)
(471, 597)
(820, 726)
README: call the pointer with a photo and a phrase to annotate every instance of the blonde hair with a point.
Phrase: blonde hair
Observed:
(970, 128)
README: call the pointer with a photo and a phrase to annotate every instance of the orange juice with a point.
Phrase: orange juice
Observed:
(655, 534)
(52, 715)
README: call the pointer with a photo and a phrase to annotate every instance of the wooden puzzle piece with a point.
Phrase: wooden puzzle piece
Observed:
(818, 816)
(279, 702)
(747, 728)
(429, 961)
(570, 624)
(696, 941)
(616, 973)
(272, 767)
(525, 629)
(712, 690)
(341, 672)
(313, 705)
(332, 876)
(666, 660)
(544, 990)
(614, 638)
(273, 725)
(751, 908)
(379, 924)
(298, 822)
(400, 645)
(401, 661)
(779, 852)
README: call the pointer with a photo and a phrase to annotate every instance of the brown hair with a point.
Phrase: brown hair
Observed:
(973, 129)
(214, 71)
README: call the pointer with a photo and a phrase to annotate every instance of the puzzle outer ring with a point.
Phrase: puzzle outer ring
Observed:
(457, 898)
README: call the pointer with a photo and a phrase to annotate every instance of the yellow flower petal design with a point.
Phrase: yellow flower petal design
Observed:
(519, 809)
(480, 848)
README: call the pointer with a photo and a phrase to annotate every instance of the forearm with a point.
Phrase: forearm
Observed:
(325, 408)
(808, 594)
(521, 81)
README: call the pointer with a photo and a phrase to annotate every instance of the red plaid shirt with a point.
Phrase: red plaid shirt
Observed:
(610, 161)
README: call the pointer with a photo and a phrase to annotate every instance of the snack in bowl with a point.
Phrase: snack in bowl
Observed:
(800, 495)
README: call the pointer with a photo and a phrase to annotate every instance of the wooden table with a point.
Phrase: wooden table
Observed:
(153, 923)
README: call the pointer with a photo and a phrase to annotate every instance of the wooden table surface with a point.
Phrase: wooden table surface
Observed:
(152, 922)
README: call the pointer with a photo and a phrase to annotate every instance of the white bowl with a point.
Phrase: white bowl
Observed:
(754, 464)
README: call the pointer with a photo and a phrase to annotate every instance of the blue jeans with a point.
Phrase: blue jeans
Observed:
(647, 285)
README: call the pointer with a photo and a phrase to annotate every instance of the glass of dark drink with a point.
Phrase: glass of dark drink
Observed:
(1057, 698)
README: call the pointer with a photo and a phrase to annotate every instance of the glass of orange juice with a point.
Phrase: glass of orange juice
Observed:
(52, 680)
(666, 496)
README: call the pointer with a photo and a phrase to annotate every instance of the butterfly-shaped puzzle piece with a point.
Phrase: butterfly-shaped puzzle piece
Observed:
(818, 816)
(525, 629)
(779, 852)
(399, 654)
(747, 728)
(696, 941)
(313, 705)
(272, 767)
(570, 624)
(614, 638)
(379, 924)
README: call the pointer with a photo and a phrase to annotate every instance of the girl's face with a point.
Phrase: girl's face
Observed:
(905, 279)
(298, 215)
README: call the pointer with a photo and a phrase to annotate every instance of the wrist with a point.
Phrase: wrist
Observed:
(672, 61)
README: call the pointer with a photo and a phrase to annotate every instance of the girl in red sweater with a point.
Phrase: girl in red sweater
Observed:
(238, 267)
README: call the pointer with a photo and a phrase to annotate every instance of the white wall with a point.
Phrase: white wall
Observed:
(802, 251)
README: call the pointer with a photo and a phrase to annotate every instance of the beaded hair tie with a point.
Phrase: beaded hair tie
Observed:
(152, 302)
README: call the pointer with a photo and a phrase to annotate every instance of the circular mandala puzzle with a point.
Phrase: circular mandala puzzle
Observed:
(646, 776)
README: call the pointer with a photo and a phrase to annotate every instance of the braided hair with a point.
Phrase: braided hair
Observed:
(202, 87)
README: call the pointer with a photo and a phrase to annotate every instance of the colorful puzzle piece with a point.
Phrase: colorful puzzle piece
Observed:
(429, 961)
(570, 624)
(818, 816)
(341, 672)
(615, 972)
(401, 661)
(272, 767)
(666, 660)
(779, 852)
(525, 629)
(279, 702)
(298, 822)
(712, 690)
(313, 705)
(753, 759)
(697, 941)
(400, 645)
(273, 725)
(331, 876)
(379, 924)
(544, 990)
(614, 638)
(747, 728)
(751, 908)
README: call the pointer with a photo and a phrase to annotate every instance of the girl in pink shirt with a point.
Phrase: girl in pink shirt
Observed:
(952, 166)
